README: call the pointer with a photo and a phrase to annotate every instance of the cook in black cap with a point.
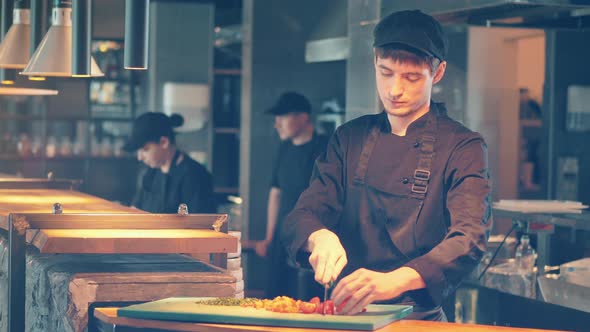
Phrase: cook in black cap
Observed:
(171, 177)
(399, 205)
(293, 164)
(292, 113)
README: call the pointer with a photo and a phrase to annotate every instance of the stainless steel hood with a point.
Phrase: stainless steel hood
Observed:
(328, 36)
(329, 49)
(539, 14)
(534, 14)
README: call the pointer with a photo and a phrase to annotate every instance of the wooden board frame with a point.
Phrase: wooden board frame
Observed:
(19, 224)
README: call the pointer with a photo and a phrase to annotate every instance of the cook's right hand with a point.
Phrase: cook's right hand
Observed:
(328, 257)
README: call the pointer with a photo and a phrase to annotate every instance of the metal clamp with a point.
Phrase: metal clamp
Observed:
(20, 224)
(182, 209)
(57, 208)
(218, 223)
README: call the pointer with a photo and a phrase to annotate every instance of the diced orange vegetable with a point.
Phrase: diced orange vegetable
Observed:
(307, 307)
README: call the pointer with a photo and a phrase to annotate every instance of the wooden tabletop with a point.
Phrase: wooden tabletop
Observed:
(106, 241)
(109, 316)
(14, 182)
(42, 200)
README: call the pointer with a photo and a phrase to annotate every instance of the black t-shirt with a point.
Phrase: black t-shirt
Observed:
(187, 182)
(292, 170)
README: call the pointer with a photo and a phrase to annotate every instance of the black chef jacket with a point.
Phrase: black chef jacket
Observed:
(369, 188)
(186, 182)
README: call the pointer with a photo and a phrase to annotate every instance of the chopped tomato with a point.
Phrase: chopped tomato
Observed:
(319, 308)
(329, 307)
(286, 304)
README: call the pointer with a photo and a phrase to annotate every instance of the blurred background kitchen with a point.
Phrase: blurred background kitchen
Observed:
(517, 73)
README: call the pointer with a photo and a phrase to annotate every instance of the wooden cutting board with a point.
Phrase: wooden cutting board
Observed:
(186, 309)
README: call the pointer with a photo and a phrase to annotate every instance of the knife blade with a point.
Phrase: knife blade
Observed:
(325, 297)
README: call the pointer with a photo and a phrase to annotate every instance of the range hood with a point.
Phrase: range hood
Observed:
(533, 14)
(327, 38)
(537, 14)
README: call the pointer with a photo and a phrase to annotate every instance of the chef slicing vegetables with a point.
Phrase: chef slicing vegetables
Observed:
(398, 208)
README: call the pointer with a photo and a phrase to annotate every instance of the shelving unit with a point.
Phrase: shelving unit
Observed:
(226, 127)
(77, 117)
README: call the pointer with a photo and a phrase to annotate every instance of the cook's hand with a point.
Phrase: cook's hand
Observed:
(328, 257)
(363, 287)
(261, 247)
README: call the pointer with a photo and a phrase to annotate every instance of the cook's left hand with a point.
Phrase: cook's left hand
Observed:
(363, 287)
(261, 247)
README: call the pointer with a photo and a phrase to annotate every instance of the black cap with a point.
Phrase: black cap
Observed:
(412, 28)
(290, 102)
(149, 127)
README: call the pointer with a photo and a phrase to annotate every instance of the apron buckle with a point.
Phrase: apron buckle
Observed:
(418, 188)
(422, 174)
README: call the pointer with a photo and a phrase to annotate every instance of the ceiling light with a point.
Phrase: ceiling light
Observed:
(14, 49)
(137, 19)
(53, 57)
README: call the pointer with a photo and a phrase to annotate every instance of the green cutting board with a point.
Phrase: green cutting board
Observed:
(186, 309)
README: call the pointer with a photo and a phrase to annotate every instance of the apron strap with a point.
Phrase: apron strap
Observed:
(363, 166)
(422, 171)
(425, 158)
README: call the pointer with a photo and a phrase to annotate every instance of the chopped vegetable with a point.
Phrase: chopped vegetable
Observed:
(283, 304)
(229, 301)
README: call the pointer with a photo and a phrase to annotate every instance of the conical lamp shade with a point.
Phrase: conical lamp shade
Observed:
(14, 50)
(53, 57)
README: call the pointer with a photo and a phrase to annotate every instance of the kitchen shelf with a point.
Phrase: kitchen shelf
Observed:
(13, 157)
(226, 130)
(109, 79)
(226, 190)
(115, 119)
(221, 71)
(110, 104)
(85, 121)
(26, 117)
(15, 117)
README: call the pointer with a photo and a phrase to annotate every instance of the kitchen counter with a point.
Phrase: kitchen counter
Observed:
(107, 320)
(98, 251)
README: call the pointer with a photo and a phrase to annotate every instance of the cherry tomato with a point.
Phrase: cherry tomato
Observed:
(319, 308)
(329, 307)
(315, 300)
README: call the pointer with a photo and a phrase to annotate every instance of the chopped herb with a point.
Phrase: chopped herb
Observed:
(229, 301)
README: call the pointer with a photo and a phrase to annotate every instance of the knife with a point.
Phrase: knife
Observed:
(325, 297)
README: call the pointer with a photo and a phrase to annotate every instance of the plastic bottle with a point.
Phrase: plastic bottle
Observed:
(525, 255)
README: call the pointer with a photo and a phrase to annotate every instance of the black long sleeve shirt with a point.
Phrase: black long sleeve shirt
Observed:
(186, 182)
(450, 233)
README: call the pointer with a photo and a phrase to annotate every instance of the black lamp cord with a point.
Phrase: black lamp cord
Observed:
(514, 226)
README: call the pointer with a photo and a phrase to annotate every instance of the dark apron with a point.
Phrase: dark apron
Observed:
(397, 212)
